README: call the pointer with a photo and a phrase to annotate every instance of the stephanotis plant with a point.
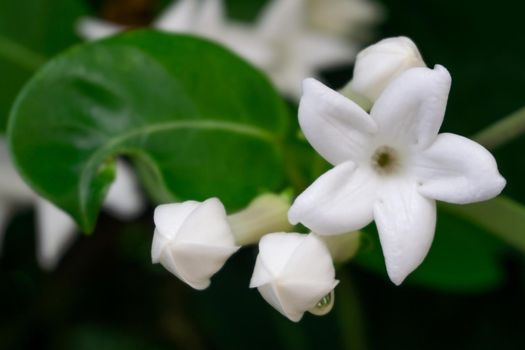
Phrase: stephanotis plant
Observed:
(390, 165)
(215, 158)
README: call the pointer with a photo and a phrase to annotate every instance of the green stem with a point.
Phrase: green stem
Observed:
(501, 216)
(20, 55)
(503, 131)
(265, 214)
(349, 313)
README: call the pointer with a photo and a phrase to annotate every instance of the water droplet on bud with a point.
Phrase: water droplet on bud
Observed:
(324, 305)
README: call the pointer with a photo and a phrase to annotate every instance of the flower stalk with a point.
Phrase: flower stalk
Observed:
(358, 98)
(503, 131)
(266, 213)
(343, 247)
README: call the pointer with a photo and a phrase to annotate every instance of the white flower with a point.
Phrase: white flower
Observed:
(55, 229)
(299, 50)
(211, 22)
(283, 42)
(124, 199)
(390, 165)
(94, 28)
(205, 18)
(56, 232)
(344, 17)
(179, 16)
(377, 65)
(293, 273)
(192, 240)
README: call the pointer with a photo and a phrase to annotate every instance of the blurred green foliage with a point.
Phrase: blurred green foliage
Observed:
(31, 31)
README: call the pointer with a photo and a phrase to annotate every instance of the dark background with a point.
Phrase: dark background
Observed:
(469, 294)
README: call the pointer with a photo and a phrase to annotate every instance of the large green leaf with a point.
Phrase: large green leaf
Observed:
(197, 120)
(30, 31)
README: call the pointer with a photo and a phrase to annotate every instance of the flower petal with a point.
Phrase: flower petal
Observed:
(297, 297)
(271, 294)
(242, 39)
(56, 232)
(5, 215)
(343, 17)
(281, 18)
(310, 262)
(210, 18)
(377, 65)
(334, 125)
(124, 199)
(13, 190)
(457, 170)
(214, 230)
(411, 108)
(94, 28)
(321, 51)
(274, 253)
(160, 242)
(406, 222)
(195, 264)
(178, 17)
(339, 201)
(169, 218)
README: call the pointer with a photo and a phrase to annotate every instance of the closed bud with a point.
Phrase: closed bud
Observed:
(294, 273)
(377, 65)
(192, 240)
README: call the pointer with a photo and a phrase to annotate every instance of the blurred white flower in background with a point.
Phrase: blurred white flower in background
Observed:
(294, 273)
(299, 50)
(390, 165)
(55, 229)
(290, 40)
(353, 18)
(192, 240)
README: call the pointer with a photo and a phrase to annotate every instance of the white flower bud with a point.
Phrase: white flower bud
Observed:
(377, 65)
(294, 273)
(192, 240)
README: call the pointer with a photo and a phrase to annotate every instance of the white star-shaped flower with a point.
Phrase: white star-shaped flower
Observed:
(299, 50)
(55, 229)
(283, 42)
(344, 17)
(206, 18)
(390, 165)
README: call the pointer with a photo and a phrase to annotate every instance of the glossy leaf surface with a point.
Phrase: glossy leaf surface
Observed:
(196, 120)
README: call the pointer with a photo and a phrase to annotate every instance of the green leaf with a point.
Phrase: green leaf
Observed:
(463, 257)
(197, 121)
(30, 31)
